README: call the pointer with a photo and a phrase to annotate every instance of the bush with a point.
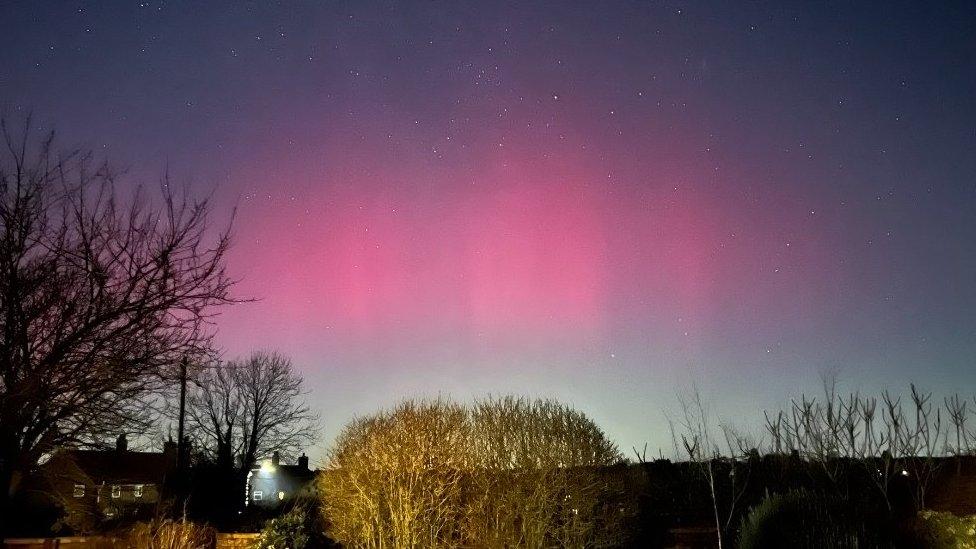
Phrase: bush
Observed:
(947, 531)
(395, 478)
(170, 534)
(802, 519)
(504, 472)
(289, 531)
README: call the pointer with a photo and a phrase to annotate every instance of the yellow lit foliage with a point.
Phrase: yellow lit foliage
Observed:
(502, 473)
(947, 531)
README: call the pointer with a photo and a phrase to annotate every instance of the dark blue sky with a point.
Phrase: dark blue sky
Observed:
(597, 201)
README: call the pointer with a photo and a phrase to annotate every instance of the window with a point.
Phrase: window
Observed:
(79, 490)
(116, 490)
(258, 494)
(137, 490)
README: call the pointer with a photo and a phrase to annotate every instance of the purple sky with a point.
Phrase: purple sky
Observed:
(599, 202)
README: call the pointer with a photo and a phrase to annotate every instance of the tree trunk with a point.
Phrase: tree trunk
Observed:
(9, 479)
(718, 521)
(6, 485)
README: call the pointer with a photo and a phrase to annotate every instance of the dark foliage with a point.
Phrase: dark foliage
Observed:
(300, 527)
(215, 496)
(802, 519)
(673, 495)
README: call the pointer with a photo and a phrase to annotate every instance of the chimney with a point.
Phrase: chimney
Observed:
(121, 444)
(169, 450)
(275, 459)
(303, 461)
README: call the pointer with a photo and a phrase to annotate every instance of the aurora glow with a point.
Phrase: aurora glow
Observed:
(601, 202)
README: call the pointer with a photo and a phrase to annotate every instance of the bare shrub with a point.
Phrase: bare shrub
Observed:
(721, 454)
(395, 479)
(542, 476)
(856, 436)
(172, 534)
(505, 472)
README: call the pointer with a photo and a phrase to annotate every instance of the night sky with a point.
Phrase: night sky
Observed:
(600, 202)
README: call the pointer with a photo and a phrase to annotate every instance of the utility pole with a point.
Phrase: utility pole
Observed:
(181, 442)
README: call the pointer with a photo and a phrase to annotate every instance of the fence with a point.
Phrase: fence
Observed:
(224, 541)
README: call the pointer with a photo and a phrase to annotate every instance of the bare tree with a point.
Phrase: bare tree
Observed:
(274, 416)
(722, 459)
(98, 297)
(250, 408)
(924, 443)
(214, 415)
(956, 410)
(842, 435)
(847, 435)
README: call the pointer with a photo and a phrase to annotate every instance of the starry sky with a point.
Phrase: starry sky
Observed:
(602, 202)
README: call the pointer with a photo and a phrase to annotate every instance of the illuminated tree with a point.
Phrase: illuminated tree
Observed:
(395, 479)
(543, 477)
(505, 472)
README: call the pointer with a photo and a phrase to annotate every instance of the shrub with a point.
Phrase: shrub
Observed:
(542, 478)
(170, 534)
(947, 531)
(505, 472)
(394, 479)
(289, 531)
(802, 519)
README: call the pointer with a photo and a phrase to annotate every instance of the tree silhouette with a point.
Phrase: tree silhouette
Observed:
(99, 298)
(247, 409)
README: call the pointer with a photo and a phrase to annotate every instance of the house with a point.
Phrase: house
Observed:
(94, 486)
(273, 484)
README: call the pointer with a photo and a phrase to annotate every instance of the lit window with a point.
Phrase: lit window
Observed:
(116, 490)
(137, 490)
(79, 490)
(258, 494)
(281, 496)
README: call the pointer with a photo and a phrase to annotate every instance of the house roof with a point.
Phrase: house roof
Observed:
(114, 466)
(297, 471)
